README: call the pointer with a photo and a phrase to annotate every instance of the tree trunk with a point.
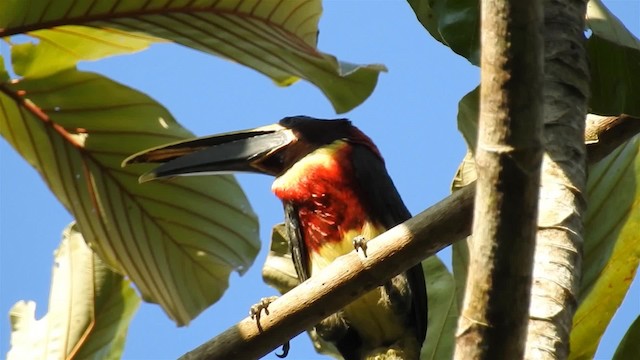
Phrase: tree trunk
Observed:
(493, 321)
(557, 263)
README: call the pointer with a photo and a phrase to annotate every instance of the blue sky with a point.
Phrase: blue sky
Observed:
(411, 117)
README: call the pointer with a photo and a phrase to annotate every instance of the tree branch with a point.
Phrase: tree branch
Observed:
(494, 316)
(347, 278)
(351, 275)
(558, 258)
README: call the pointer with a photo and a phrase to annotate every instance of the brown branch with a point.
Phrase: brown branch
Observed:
(495, 312)
(605, 133)
(349, 277)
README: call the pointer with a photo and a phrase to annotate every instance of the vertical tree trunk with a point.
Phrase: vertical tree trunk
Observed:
(559, 244)
(493, 322)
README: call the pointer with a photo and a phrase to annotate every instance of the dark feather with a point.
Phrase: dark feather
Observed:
(384, 204)
(299, 252)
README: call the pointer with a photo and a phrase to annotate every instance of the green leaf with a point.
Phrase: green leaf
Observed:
(465, 175)
(443, 311)
(453, 23)
(614, 62)
(177, 240)
(90, 308)
(278, 270)
(629, 347)
(468, 112)
(611, 247)
(62, 47)
(276, 38)
(4, 75)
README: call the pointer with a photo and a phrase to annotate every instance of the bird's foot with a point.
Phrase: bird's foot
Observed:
(360, 242)
(256, 311)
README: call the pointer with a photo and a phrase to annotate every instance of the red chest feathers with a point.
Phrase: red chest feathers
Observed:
(322, 186)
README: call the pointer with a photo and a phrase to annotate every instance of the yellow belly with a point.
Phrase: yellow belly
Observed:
(371, 314)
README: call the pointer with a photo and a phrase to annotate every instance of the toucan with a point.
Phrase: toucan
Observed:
(337, 194)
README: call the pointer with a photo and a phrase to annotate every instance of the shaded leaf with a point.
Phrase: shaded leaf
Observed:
(276, 38)
(611, 247)
(465, 175)
(614, 63)
(278, 270)
(468, 112)
(629, 347)
(443, 311)
(90, 308)
(453, 23)
(4, 75)
(177, 240)
(425, 14)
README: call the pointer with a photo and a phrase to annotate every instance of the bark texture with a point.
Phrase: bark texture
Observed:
(557, 265)
(493, 322)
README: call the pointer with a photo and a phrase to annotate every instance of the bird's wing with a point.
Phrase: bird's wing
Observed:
(386, 206)
(296, 243)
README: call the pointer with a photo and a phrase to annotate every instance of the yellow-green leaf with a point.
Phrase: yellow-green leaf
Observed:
(611, 247)
(276, 38)
(62, 47)
(90, 308)
(177, 240)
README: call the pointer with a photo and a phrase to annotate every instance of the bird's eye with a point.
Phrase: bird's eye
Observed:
(287, 122)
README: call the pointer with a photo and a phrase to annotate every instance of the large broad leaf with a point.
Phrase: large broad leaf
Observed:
(277, 38)
(453, 23)
(614, 62)
(90, 308)
(614, 53)
(62, 47)
(443, 311)
(177, 240)
(611, 246)
(629, 347)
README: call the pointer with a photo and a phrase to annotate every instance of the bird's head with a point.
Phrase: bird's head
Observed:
(270, 149)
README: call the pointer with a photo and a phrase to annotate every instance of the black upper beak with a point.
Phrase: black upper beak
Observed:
(234, 151)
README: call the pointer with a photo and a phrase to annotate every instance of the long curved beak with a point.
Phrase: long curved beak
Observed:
(223, 153)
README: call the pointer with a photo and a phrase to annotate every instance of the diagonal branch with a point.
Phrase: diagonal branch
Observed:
(351, 275)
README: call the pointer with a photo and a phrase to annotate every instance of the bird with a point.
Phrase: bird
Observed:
(337, 194)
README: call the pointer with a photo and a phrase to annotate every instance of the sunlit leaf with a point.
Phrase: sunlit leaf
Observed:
(276, 38)
(90, 308)
(611, 246)
(178, 240)
(443, 311)
(614, 62)
(629, 347)
(62, 47)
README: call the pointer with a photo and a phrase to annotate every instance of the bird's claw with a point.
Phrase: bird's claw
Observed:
(256, 311)
(285, 350)
(360, 242)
